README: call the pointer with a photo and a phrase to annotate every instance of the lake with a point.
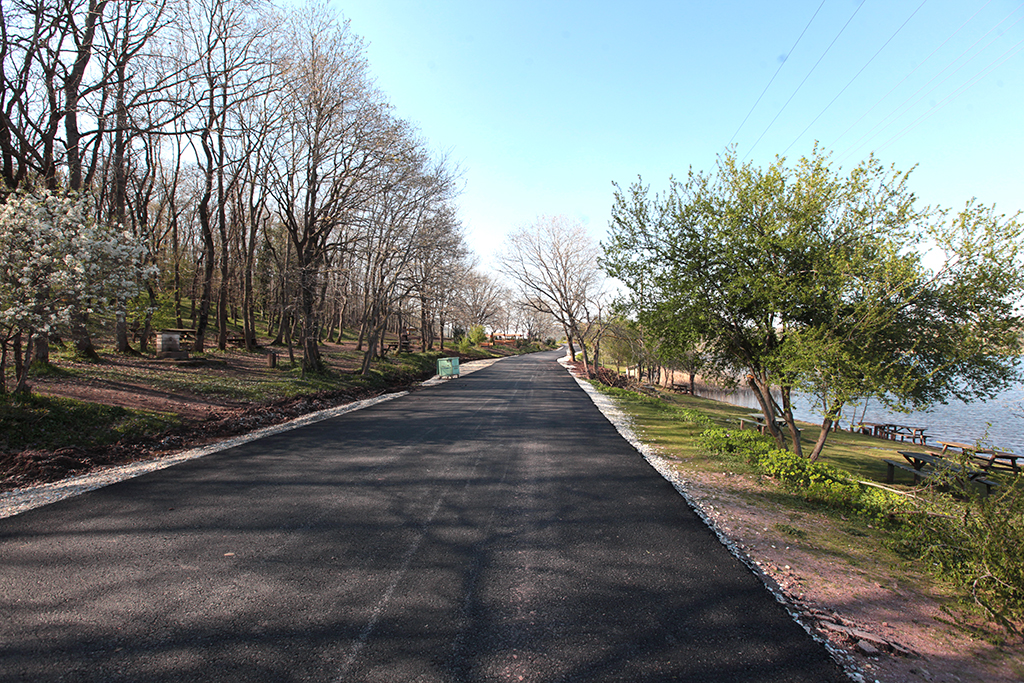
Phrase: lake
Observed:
(998, 422)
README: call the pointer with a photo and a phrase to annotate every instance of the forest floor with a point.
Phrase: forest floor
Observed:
(207, 398)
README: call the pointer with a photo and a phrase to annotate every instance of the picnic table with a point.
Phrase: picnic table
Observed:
(762, 426)
(926, 465)
(986, 458)
(873, 429)
(893, 431)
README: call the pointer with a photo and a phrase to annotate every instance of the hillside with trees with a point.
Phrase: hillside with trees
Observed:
(250, 174)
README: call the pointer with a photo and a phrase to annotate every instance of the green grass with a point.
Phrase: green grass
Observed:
(47, 423)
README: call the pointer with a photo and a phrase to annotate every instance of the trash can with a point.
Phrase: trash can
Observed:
(448, 367)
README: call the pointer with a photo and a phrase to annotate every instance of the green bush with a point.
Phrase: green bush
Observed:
(746, 444)
(477, 335)
(977, 543)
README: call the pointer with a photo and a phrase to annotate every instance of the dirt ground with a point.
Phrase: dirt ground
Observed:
(896, 632)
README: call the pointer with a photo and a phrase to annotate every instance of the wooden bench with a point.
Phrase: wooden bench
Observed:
(891, 466)
(762, 427)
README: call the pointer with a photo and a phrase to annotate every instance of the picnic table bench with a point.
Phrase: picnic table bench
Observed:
(757, 419)
(926, 465)
(986, 458)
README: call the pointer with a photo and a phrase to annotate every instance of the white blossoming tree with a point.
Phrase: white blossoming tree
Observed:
(56, 261)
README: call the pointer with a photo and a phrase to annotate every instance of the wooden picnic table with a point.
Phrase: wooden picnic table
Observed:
(927, 465)
(873, 429)
(986, 458)
(893, 431)
(762, 426)
(916, 434)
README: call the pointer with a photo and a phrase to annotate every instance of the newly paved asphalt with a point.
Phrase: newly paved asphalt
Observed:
(493, 528)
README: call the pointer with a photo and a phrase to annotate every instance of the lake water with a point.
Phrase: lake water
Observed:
(998, 422)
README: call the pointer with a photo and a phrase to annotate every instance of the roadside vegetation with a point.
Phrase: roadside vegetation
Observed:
(968, 543)
(54, 422)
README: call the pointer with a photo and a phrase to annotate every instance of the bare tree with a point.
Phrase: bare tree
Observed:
(482, 299)
(338, 138)
(406, 222)
(553, 264)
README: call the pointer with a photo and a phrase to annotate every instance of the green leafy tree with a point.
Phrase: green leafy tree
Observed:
(803, 278)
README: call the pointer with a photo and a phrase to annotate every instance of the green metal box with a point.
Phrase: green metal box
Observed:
(448, 367)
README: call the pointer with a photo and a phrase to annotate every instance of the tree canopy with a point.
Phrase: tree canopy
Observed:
(839, 285)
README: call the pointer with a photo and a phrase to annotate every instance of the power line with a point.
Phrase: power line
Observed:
(904, 79)
(998, 61)
(890, 119)
(805, 79)
(776, 72)
(850, 82)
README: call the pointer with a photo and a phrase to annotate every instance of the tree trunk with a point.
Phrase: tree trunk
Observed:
(819, 445)
(121, 332)
(20, 367)
(762, 390)
(309, 334)
(147, 321)
(3, 366)
(371, 346)
(80, 335)
(787, 412)
(568, 340)
(39, 348)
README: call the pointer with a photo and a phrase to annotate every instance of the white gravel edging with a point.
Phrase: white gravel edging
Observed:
(624, 425)
(20, 500)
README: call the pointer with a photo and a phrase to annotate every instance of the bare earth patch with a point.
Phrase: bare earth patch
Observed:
(143, 383)
(860, 594)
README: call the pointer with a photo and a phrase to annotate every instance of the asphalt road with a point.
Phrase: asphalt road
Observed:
(493, 528)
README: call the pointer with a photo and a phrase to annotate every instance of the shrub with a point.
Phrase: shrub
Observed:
(611, 378)
(477, 335)
(748, 445)
(977, 543)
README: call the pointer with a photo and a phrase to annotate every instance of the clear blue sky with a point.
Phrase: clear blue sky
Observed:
(544, 104)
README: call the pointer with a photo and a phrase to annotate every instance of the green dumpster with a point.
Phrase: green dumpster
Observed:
(448, 367)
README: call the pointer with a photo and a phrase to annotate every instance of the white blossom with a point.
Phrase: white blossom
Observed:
(56, 260)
